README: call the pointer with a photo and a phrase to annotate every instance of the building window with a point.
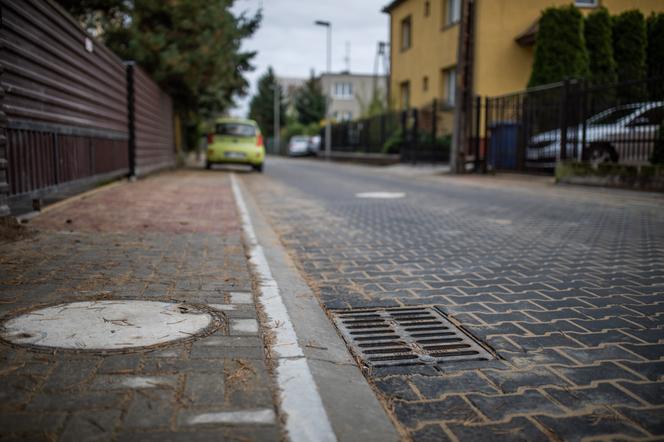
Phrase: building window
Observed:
(586, 3)
(345, 115)
(342, 90)
(452, 12)
(449, 85)
(427, 8)
(425, 84)
(405, 95)
(406, 41)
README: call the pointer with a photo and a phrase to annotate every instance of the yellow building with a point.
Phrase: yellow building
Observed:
(424, 36)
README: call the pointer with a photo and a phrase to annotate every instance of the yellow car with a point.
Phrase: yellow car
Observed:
(236, 141)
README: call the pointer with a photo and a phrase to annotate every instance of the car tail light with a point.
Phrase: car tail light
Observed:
(210, 138)
(259, 140)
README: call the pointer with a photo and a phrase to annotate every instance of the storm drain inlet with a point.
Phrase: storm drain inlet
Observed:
(406, 336)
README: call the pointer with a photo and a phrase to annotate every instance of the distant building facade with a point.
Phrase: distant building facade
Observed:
(289, 87)
(424, 41)
(350, 94)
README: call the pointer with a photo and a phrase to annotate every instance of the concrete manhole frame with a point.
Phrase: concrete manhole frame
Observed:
(218, 322)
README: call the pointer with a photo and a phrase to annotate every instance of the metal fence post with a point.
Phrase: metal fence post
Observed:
(131, 118)
(476, 131)
(434, 122)
(4, 164)
(584, 110)
(414, 137)
(487, 110)
(563, 120)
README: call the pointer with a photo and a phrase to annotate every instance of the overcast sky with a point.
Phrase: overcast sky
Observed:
(289, 41)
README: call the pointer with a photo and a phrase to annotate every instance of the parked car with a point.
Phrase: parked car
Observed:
(621, 133)
(314, 144)
(298, 145)
(236, 141)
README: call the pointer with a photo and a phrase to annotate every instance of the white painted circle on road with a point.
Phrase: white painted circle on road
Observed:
(380, 195)
(106, 325)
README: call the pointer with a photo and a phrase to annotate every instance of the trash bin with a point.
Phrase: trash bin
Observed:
(503, 145)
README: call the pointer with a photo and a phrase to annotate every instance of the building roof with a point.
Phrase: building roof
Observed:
(388, 9)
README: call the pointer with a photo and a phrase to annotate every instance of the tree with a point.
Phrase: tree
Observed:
(191, 48)
(655, 55)
(261, 106)
(629, 50)
(599, 43)
(310, 103)
(560, 50)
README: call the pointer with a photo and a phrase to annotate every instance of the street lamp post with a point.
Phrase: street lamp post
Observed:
(328, 128)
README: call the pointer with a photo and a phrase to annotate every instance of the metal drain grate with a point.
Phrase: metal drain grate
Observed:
(406, 336)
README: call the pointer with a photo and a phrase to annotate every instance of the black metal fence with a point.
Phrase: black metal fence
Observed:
(417, 134)
(533, 129)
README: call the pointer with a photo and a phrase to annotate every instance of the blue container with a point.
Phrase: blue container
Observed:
(503, 145)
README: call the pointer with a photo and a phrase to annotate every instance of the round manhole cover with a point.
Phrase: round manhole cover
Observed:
(107, 325)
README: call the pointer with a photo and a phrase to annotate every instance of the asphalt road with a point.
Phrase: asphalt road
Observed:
(566, 286)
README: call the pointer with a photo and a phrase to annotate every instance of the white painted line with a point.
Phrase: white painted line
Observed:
(380, 195)
(241, 298)
(222, 307)
(146, 382)
(265, 416)
(244, 326)
(306, 418)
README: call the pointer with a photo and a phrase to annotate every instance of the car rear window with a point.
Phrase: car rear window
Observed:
(235, 129)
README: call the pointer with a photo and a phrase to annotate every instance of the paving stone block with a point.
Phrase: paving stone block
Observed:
(69, 374)
(553, 340)
(509, 381)
(651, 370)
(516, 429)
(604, 371)
(77, 400)
(503, 406)
(651, 392)
(588, 356)
(91, 426)
(430, 433)
(462, 382)
(452, 408)
(204, 389)
(601, 395)
(396, 387)
(576, 428)
(650, 419)
(150, 409)
(652, 352)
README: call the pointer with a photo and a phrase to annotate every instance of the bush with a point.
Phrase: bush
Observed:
(393, 142)
(655, 54)
(560, 50)
(629, 51)
(658, 153)
(599, 43)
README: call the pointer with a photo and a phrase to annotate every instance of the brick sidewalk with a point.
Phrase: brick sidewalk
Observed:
(175, 237)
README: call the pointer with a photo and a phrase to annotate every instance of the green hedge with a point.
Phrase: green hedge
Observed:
(629, 49)
(560, 50)
(599, 42)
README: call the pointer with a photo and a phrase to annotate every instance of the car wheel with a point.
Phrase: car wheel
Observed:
(258, 167)
(600, 154)
(208, 165)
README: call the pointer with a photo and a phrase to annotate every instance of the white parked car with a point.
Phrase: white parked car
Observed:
(298, 145)
(624, 133)
(314, 144)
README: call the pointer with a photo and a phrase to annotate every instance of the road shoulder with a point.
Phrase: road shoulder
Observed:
(351, 405)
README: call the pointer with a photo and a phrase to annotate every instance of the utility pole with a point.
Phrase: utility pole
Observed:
(328, 127)
(464, 94)
(276, 120)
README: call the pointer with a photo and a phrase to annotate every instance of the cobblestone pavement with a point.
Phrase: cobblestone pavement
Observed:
(566, 286)
(138, 241)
